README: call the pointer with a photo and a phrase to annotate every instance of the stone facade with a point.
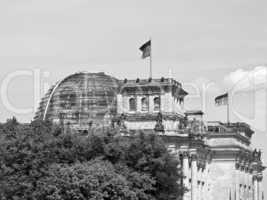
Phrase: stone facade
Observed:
(151, 98)
(216, 158)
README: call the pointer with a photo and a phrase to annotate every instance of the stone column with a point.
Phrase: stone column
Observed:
(259, 188)
(205, 186)
(186, 175)
(138, 103)
(246, 184)
(167, 102)
(125, 104)
(243, 188)
(237, 183)
(119, 104)
(250, 186)
(202, 184)
(198, 182)
(151, 104)
(194, 178)
(255, 188)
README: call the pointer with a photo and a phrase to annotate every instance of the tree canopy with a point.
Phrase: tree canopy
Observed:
(40, 162)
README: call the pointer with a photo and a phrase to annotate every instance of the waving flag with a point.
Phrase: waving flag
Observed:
(146, 49)
(221, 100)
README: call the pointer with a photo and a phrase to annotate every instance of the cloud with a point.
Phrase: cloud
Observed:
(242, 79)
(247, 91)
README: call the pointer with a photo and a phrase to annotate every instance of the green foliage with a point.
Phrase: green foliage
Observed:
(96, 180)
(39, 162)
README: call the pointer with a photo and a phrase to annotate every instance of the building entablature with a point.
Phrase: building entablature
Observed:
(232, 138)
(151, 116)
(152, 86)
(238, 128)
(146, 82)
(258, 176)
(202, 157)
(246, 161)
(241, 128)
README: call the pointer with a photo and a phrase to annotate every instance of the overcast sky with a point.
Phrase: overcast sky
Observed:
(203, 44)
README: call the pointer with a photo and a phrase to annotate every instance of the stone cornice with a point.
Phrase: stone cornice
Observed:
(190, 142)
(228, 135)
(201, 156)
(242, 157)
(234, 147)
(152, 116)
(152, 86)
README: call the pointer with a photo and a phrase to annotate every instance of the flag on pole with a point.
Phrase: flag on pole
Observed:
(146, 49)
(221, 100)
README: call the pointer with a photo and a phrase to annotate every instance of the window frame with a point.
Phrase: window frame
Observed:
(131, 108)
(154, 104)
(144, 104)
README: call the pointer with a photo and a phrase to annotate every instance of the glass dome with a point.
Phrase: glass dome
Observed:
(81, 100)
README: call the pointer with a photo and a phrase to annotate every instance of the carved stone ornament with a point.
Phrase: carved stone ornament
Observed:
(159, 126)
(256, 155)
(122, 121)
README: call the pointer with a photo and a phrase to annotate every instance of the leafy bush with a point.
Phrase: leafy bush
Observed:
(40, 162)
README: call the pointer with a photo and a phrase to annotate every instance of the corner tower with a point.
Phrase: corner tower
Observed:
(151, 104)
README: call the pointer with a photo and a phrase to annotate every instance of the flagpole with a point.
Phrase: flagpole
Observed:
(150, 67)
(228, 110)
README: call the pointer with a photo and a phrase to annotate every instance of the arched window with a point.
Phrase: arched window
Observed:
(132, 104)
(156, 104)
(144, 103)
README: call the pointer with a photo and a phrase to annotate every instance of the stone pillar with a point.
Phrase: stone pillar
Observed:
(205, 186)
(243, 187)
(198, 190)
(202, 183)
(186, 175)
(202, 177)
(250, 185)
(241, 183)
(194, 178)
(237, 183)
(246, 184)
(198, 184)
(151, 104)
(255, 188)
(260, 188)
(138, 104)
(119, 104)
(167, 103)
